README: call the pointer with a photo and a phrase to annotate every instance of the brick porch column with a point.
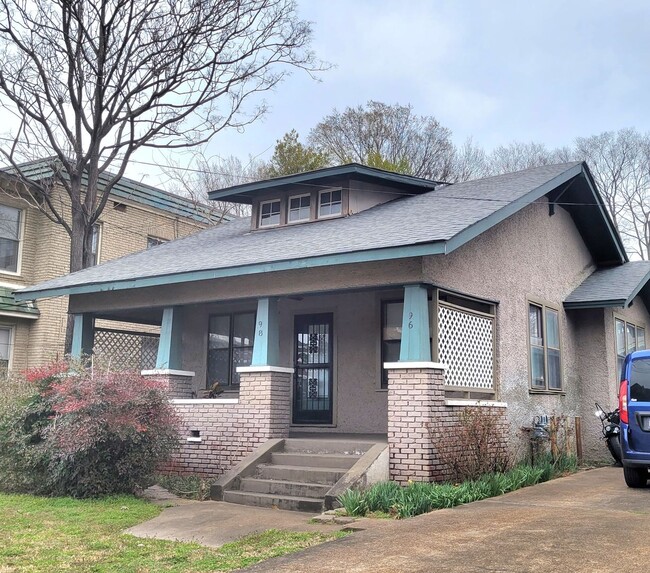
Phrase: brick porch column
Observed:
(265, 401)
(415, 398)
(177, 382)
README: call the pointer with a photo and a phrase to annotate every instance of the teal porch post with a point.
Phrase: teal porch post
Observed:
(169, 345)
(83, 335)
(266, 348)
(415, 346)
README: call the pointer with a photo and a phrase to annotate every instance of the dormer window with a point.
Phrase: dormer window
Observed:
(329, 203)
(299, 208)
(270, 213)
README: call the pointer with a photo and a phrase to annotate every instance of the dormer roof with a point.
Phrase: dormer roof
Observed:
(406, 184)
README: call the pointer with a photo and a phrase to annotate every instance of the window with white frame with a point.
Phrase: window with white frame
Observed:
(629, 338)
(329, 203)
(299, 208)
(6, 333)
(95, 241)
(544, 347)
(10, 235)
(270, 213)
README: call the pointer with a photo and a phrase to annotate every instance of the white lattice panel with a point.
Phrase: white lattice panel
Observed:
(465, 344)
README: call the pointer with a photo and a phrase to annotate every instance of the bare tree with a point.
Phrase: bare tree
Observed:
(620, 164)
(469, 162)
(518, 155)
(92, 82)
(197, 177)
(391, 132)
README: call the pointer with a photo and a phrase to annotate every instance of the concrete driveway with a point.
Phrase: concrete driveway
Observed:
(586, 522)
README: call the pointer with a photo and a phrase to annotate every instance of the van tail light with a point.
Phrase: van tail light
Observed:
(622, 402)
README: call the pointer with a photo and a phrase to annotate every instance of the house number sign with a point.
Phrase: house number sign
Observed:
(260, 332)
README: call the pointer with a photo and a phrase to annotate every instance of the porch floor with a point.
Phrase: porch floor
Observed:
(349, 437)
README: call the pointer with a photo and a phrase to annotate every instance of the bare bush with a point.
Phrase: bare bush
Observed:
(474, 445)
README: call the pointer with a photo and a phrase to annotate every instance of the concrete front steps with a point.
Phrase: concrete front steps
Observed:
(299, 474)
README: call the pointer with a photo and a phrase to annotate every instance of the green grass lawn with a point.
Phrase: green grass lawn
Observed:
(62, 534)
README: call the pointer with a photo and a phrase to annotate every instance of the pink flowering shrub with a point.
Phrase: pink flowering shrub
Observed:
(86, 433)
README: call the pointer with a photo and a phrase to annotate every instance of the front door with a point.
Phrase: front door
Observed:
(312, 392)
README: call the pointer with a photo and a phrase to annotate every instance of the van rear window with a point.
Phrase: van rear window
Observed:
(640, 380)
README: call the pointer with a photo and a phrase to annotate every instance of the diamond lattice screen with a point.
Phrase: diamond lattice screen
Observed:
(465, 344)
(127, 350)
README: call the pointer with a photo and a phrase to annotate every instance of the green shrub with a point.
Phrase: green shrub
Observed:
(86, 433)
(421, 497)
(381, 496)
(354, 503)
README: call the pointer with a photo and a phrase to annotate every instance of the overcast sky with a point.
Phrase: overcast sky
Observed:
(498, 71)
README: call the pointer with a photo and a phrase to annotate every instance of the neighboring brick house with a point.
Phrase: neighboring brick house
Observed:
(34, 249)
(356, 300)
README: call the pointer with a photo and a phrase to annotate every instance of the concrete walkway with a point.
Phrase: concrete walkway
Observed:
(214, 523)
(587, 522)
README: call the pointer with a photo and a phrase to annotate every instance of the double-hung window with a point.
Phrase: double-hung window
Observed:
(629, 337)
(230, 344)
(391, 335)
(299, 208)
(544, 342)
(270, 213)
(10, 229)
(329, 203)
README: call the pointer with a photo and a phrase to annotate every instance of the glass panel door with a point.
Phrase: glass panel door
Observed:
(312, 392)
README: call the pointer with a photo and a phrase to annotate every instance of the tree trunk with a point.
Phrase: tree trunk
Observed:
(77, 242)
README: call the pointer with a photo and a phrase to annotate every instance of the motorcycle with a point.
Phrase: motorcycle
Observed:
(611, 431)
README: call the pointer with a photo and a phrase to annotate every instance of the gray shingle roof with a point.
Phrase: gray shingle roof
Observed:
(456, 212)
(615, 286)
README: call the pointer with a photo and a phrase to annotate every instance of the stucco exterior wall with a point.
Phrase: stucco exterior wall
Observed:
(44, 254)
(530, 256)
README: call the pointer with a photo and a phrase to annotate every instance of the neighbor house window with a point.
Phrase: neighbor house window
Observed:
(154, 241)
(5, 349)
(544, 339)
(629, 337)
(299, 208)
(230, 344)
(95, 240)
(270, 213)
(329, 203)
(10, 225)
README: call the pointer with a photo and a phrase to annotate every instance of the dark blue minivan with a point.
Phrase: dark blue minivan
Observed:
(634, 406)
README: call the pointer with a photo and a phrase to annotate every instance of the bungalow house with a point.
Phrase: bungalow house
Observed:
(360, 301)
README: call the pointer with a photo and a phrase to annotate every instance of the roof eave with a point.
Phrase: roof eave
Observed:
(340, 170)
(511, 208)
(605, 213)
(609, 303)
(382, 254)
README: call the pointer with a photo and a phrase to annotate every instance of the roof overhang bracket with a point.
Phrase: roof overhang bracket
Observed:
(556, 195)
